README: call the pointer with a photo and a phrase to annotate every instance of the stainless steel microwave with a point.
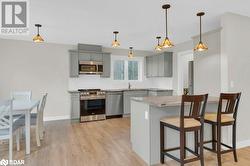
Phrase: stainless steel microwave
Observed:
(90, 67)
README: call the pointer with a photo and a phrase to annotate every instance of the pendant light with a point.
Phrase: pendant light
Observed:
(200, 46)
(115, 43)
(38, 38)
(166, 42)
(158, 47)
(130, 53)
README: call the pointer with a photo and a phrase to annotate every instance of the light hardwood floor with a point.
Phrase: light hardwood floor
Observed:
(102, 143)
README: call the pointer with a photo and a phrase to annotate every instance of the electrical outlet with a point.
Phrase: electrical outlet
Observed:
(146, 115)
(231, 84)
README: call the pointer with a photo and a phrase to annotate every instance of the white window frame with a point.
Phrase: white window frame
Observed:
(140, 61)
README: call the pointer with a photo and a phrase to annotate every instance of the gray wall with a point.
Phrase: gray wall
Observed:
(207, 65)
(38, 67)
(236, 55)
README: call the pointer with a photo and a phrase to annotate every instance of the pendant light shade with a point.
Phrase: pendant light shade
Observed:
(115, 42)
(200, 46)
(38, 38)
(130, 53)
(158, 46)
(166, 42)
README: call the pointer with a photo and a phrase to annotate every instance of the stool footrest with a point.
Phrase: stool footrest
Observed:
(165, 152)
(178, 160)
(191, 151)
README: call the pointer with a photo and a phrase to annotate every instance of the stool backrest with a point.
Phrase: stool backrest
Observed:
(228, 104)
(21, 95)
(6, 119)
(197, 105)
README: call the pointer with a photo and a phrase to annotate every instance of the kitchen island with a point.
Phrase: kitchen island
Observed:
(146, 113)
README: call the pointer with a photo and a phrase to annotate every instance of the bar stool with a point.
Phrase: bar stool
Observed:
(192, 122)
(226, 116)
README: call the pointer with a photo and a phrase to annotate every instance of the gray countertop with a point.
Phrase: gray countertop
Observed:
(166, 101)
(136, 89)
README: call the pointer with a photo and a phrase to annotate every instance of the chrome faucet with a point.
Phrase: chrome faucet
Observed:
(129, 85)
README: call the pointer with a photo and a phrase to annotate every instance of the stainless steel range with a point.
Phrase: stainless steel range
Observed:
(92, 105)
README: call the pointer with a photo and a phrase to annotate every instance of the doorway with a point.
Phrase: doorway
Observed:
(185, 65)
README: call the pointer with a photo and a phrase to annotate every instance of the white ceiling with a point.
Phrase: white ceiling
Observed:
(138, 21)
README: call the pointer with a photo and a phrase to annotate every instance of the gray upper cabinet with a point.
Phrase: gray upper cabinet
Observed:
(168, 64)
(155, 65)
(96, 57)
(106, 58)
(73, 64)
(90, 56)
(89, 47)
(149, 63)
(160, 65)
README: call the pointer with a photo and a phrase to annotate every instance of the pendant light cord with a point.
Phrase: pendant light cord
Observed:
(166, 23)
(200, 28)
(38, 30)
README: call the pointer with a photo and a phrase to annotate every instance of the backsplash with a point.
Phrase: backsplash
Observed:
(95, 81)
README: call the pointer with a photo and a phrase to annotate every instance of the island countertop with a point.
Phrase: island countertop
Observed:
(166, 101)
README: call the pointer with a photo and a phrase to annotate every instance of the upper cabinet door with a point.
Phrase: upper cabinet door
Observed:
(96, 57)
(83, 56)
(161, 65)
(168, 64)
(73, 64)
(155, 66)
(106, 64)
(149, 66)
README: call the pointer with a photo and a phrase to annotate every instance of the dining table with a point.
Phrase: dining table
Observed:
(25, 107)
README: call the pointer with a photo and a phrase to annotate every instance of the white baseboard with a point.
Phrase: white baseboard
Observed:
(243, 144)
(53, 118)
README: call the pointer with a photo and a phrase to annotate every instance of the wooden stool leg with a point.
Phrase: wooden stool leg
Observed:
(182, 148)
(201, 146)
(214, 137)
(219, 145)
(162, 142)
(185, 152)
(196, 138)
(234, 143)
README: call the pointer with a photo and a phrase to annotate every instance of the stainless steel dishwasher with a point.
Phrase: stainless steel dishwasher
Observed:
(114, 104)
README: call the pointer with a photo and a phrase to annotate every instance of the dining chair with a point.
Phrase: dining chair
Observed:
(226, 115)
(8, 127)
(191, 122)
(36, 119)
(21, 95)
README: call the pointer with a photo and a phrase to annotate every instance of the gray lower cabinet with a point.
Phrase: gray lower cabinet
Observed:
(114, 103)
(160, 65)
(75, 105)
(106, 58)
(127, 99)
(73, 64)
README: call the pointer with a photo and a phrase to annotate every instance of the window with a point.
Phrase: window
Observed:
(119, 70)
(132, 70)
(127, 70)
